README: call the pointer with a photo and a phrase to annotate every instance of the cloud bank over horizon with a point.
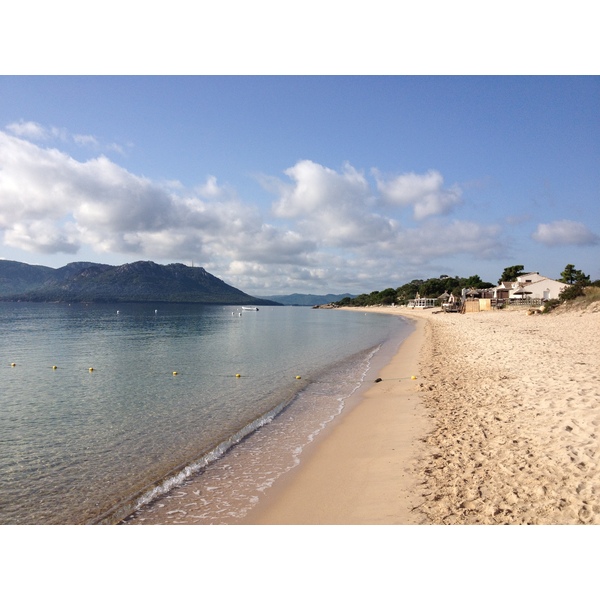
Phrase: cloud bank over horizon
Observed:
(325, 229)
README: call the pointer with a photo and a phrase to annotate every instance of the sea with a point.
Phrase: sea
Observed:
(109, 412)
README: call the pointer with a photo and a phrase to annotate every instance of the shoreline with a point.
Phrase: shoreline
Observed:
(225, 490)
(363, 470)
(502, 426)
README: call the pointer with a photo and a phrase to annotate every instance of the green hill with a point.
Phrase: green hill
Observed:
(142, 281)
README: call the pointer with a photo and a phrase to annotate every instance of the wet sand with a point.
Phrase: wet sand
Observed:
(501, 426)
(363, 469)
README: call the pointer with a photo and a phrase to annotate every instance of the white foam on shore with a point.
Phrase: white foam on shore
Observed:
(223, 491)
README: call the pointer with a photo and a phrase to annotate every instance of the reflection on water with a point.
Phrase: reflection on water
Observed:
(74, 443)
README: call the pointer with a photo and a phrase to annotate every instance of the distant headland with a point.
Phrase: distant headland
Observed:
(142, 281)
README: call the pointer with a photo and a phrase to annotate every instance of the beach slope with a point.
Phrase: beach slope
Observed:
(502, 426)
(363, 470)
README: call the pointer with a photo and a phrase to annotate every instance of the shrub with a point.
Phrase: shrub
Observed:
(571, 293)
(551, 304)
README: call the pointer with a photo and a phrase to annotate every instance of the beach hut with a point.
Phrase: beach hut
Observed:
(449, 303)
(474, 293)
(419, 302)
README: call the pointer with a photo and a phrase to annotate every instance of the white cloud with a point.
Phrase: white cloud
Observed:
(318, 189)
(85, 140)
(35, 132)
(330, 207)
(28, 129)
(210, 189)
(50, 202)
(101, 201)
(42, 236)
(425, 193)
(564, 233)
(328, 230)
(114, 147)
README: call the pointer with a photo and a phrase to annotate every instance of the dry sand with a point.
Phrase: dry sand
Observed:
(502, 425)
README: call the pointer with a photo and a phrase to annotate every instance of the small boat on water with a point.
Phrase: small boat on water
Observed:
(249, 308)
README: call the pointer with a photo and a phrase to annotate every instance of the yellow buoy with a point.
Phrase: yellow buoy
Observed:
(54, 367)
(175, 373)
(13, 364)
(237, 375)
(91, 369)
(298, 377)
(413, 377)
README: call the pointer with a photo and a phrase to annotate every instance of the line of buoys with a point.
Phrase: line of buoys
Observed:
(92, 369)
(237, 375)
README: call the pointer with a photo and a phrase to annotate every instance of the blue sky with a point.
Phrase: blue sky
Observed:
(309, 184)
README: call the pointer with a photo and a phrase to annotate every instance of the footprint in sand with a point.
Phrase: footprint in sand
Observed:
(585, 514)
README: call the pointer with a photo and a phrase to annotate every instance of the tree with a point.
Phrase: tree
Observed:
(568, 275)
(408, 291)
(387, 296)
(511, 273)
(432, 288)
(572, 275)
(476, 282)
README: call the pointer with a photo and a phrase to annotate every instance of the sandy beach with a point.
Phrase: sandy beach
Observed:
(500, 426)
(363, 469)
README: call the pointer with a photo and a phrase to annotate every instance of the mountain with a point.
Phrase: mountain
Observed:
(142, 281)
(308, 299)
(16, 277)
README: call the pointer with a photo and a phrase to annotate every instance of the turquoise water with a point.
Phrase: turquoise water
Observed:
(87, 446)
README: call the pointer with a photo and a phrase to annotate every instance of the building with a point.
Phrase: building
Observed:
(532, 286)
(421, 302)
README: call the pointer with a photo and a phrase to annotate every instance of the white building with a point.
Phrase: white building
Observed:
(421, 303)
(530, 285)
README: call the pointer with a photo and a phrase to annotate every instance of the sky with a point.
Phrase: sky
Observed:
(303, 184)
(286, 163)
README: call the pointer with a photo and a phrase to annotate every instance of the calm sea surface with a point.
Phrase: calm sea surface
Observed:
(144, 398)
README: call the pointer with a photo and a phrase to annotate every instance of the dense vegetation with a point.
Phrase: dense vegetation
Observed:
(429, 288)
(435, 287)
